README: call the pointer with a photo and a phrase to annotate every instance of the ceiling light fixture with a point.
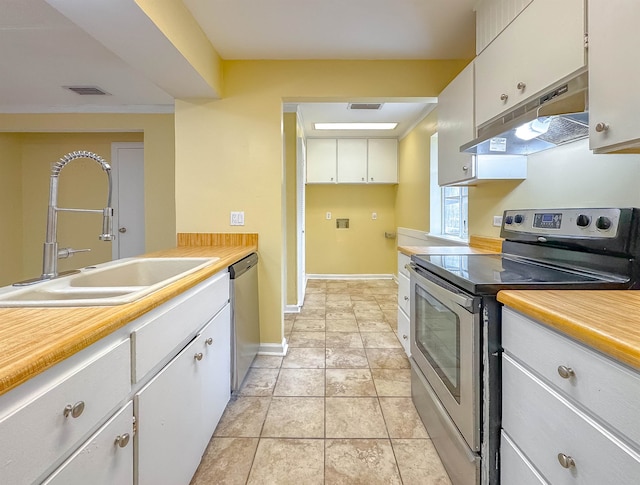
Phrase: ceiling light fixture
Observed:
(355, 126)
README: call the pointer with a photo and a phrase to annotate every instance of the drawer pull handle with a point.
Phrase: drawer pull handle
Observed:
(406, 298)
(122, 440)
(566, 461)
(566, 372)
(75, 411)
(209, 341)
(198, 356)
(504, 97)
(602, 127)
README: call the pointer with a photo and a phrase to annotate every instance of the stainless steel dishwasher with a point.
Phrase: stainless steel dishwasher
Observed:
(245, 317)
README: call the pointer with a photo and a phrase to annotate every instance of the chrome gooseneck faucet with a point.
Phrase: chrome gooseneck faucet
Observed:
(51, 252)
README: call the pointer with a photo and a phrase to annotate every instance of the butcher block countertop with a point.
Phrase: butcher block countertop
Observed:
(608, 321)
(477, 245)
(35, 339)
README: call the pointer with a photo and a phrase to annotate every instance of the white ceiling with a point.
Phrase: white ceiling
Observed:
(48, 44)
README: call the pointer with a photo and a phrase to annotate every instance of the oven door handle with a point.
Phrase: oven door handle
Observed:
(445, 291)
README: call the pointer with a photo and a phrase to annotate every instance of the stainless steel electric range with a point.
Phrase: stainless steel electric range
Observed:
(456, 319)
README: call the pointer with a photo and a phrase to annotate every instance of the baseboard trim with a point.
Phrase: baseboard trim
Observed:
(274, 349)
(292, 309)
(349, 276)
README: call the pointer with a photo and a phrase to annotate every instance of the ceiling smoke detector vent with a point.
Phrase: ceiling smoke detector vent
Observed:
(364, 106)
(87, 90)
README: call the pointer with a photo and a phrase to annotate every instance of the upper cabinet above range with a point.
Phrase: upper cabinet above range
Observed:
(614, 75)
(542, 46)
(352, 161)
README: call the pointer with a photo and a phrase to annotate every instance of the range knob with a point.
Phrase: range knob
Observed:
(508, 220)
(518, 218)
(603, 223)
(583, 220)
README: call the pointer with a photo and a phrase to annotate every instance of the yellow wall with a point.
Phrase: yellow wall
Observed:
(229, 151)
(361, 249)
(82, 184)
(567, 176)
(290, 140)
(159, 158)
(412, 203)
(11, 209)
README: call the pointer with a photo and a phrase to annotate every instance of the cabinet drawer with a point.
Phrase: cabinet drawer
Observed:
(403, 331)
(514, 466)
(543, 424)
(404, 299)
(606, 388)
(170, 326)
(101, 461)
(40, 433)
(403, 260)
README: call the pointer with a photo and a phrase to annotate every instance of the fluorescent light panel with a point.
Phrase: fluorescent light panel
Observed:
(355, 126)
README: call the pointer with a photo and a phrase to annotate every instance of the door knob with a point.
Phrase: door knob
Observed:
(122, 230)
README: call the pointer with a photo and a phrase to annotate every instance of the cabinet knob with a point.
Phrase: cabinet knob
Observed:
(566, 372)
(602, 127)
(363, 179)
(122, 230)
(331, 178)
(75, 410)
(521, 86)
(405, 337)
(372, 179)
(122, 440)
(566, 461)
(465, 168)
(198, 356)
(209, 341)
(504, 97)
(406, 298)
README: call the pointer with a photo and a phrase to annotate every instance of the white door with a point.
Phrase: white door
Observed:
(127, 160)
(300, 221)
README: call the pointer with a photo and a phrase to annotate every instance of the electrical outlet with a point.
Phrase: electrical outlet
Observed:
(328, 216)
(374, 215)
(497, 221)
(237, 218)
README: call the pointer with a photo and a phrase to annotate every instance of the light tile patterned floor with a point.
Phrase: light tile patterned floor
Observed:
(336, 410)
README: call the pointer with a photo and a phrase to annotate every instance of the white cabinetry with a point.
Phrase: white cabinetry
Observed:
(569, 413)
(456, 126)
(404, 302)
(105, 459)
(181, 406)
(614, 75)
(352, 161)
(541, 47)
(321, 161)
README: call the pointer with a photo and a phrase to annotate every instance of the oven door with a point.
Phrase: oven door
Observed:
(445, 346)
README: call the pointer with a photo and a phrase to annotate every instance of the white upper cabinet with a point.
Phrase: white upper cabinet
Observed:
(493, 16)
(456, 126)
(383, 161)
(541, 47)
(321, 161)
(352, 161)
(614, 75)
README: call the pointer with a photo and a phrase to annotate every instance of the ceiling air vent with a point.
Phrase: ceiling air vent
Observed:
(87, 90)
(365, 105)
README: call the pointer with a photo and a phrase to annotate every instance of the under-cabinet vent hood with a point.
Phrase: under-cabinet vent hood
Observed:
(559, 116)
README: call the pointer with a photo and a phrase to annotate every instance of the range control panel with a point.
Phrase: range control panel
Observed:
(592, 223)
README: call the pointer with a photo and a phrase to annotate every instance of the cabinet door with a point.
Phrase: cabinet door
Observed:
(614, 74)
(543, 45)
(105, 459)
(352, 161)
(383, 161)
(456, 126)
(321, 161)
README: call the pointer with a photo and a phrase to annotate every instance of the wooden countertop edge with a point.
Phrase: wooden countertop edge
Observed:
(605, 342)
(113, 318)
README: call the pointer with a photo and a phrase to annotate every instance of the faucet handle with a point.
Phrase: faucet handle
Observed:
(68, 252)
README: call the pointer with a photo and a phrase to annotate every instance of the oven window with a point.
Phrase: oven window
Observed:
(438, 338)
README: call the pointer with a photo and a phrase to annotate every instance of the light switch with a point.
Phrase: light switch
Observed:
(497, 221)
(328, 216)
(374, 215)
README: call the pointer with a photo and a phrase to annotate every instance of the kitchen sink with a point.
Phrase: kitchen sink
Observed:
(113, 283)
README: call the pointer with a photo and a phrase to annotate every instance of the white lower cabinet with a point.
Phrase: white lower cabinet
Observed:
(569, 426)
(404, 302)
(105, 459)
(180, 407)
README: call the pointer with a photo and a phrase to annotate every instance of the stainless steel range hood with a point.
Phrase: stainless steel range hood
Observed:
(559, 116)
